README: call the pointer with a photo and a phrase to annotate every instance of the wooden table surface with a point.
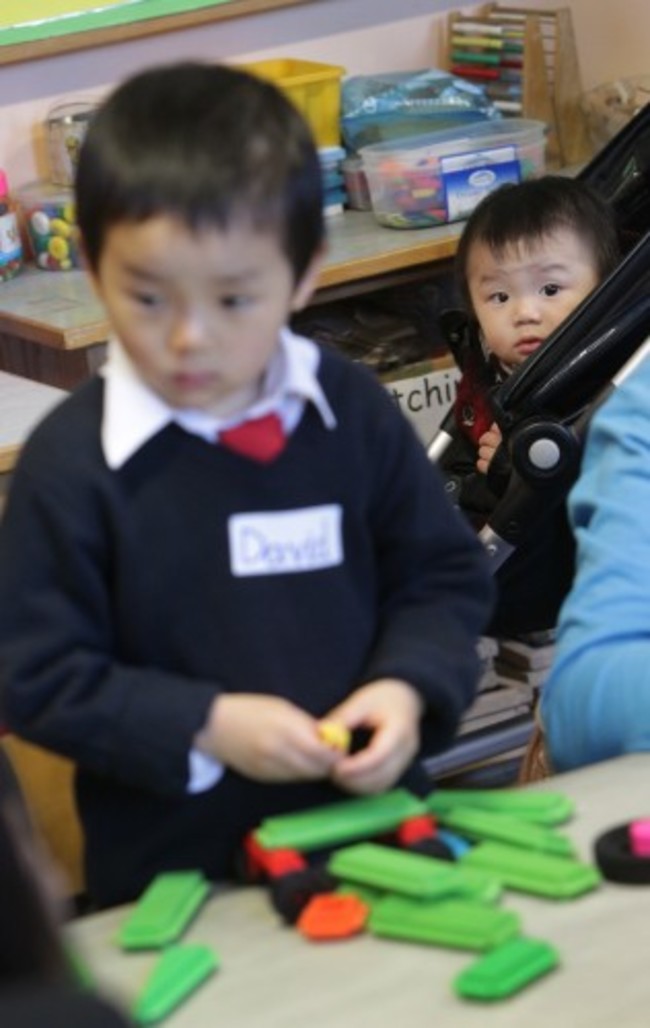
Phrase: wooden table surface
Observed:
(272, 978)
(22, 404)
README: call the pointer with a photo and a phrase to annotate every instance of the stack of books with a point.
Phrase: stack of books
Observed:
(496, 729)
(487, 651)
(496, 701)
(512, 673)
(495, 706)
(525, 661)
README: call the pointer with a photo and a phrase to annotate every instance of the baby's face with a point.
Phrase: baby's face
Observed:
(523, 293)
(198, 311)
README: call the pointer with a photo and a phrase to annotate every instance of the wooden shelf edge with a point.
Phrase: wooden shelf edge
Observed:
(379, 264)
(55, 338)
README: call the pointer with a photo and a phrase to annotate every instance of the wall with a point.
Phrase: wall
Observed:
(361, 35)
(613, 36)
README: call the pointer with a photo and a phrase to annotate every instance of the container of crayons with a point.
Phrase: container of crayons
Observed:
(440, 177)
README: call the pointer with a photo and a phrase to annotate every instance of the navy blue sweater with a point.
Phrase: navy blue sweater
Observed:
(120, 618)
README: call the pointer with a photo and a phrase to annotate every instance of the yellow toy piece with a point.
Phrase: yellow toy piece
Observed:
(58, 248)
(334, 735)
(59, 227)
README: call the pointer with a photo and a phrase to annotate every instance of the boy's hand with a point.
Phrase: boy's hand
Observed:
(488, 444)
(391, 709)
(265, 738)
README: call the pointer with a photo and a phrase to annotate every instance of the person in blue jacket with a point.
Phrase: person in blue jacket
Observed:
(596, 702)
(229, 534)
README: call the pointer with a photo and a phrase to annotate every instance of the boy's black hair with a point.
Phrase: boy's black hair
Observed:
(527, 211)
(210, 144)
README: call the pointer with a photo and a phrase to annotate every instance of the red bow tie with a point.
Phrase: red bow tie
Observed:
(262, 439)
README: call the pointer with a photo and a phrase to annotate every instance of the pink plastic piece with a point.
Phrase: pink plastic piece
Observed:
(639, 835)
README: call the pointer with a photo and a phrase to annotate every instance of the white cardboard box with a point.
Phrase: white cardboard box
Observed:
(424, 392)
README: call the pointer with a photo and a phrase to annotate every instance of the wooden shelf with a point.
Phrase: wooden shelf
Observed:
(59, 309)
(360, 248)
(54, 330)
(55, 309)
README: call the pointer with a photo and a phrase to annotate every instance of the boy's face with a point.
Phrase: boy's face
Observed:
(522, 294)
(198, 312)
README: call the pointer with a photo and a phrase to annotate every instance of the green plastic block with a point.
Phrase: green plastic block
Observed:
(539, 873)
(492, 824)
(411, 874)
(362, 892)
(460, 924)
(341, 822)
(506, 969)
(543, 808)
(178, 972)
(164, 910)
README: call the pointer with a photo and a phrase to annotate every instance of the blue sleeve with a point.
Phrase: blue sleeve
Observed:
(596, 702)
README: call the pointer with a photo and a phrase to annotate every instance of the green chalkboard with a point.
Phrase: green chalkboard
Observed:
(92, 24)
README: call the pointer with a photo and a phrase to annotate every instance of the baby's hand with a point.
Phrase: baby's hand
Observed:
(391, 709)
(266, 738)
(488, 444)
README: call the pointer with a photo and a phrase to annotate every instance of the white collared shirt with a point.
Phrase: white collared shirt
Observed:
(291, 381)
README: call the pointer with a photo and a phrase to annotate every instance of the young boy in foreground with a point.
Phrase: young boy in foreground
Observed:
(183, 601)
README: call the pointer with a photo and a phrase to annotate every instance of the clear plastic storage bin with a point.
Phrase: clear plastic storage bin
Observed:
(66, 126)
(440, 177)
(48, 214)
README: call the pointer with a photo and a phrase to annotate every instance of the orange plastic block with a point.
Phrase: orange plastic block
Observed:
(333, 915)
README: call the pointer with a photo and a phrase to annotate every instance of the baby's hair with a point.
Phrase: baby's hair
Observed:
(527, 212)
(208, 144)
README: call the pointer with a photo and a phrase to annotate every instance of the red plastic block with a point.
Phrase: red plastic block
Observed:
(270, 863)
(414, 829)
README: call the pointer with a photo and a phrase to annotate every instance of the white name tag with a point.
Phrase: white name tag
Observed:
(284, 542)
